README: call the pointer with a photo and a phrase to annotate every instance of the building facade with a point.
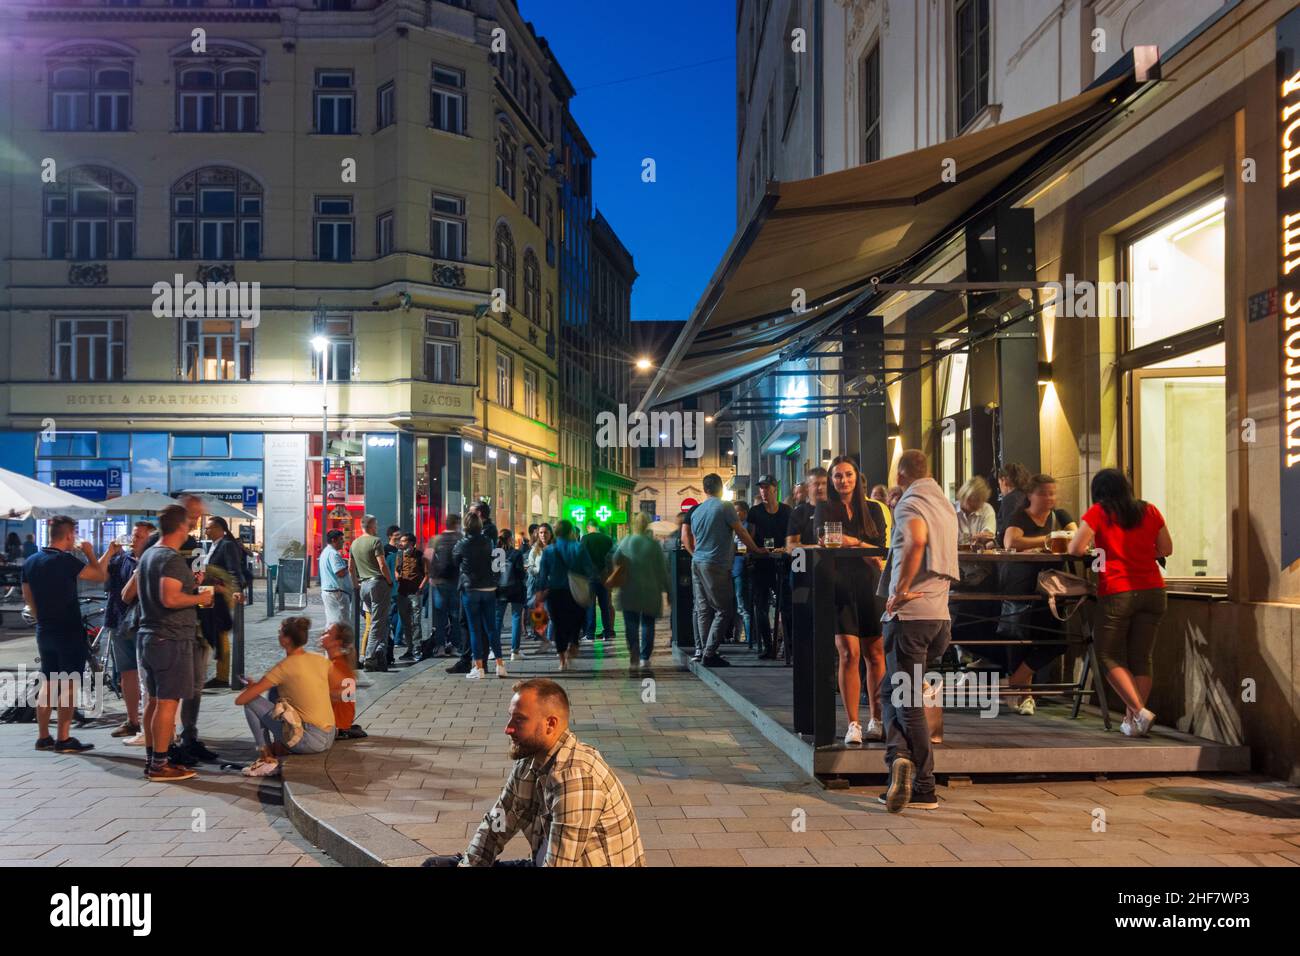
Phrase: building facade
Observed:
(576, 410)
(612, 277)
(382, 177)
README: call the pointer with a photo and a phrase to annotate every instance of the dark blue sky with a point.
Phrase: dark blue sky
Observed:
(678, 227)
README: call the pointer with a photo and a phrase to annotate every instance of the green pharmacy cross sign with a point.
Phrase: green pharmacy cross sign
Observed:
(603, 514)
(579, 511)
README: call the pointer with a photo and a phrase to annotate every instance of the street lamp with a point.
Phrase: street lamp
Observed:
(642, 364)
(322, 346)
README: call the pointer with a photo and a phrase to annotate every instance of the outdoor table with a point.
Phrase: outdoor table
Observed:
(1045, 559)
(814, 620)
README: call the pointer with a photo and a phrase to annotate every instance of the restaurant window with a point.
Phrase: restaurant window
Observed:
(1174, 357)
(342, 347)
(384, 234)
(447, 227)
(217, 214)
(871, 105)
(447, 100)
(212, 98)
(90, 94)
(335, 101)
(972, 36)
(385, 105)
(505, 380)
(214, 350)
(441, 350)
(333, 229)
(89, 349)
(90, 214)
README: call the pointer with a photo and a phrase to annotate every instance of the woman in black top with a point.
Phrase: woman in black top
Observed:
(225, 570)
(1013, 478)
(1029, 529)
(856, 607)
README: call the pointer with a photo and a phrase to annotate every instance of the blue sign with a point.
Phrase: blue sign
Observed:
(250, 497)
(91, 485)
(114, 482)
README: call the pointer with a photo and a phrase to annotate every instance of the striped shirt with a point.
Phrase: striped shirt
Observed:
(570, 807)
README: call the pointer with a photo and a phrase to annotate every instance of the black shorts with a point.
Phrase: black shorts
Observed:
(68, 656)
(857, 609)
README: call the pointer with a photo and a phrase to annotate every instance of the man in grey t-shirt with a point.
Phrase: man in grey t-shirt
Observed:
(708, 536)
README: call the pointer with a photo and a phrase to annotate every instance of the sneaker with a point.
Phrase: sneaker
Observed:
(516, 656)
(1126, 727)
(854, 736)
(408, 656)
(180, 756)
(196, 749)
(1142, 722)
(168, 773)
(875, 730)
(901, 772)
(460, 668)
(501, 669)
(697, 657)
(1027, 707)
(72, 746)
(922, 803)
(216, 682)
(448, 651)
(44, 743)
(127, 729)
(136, 741)
(475, 673)
(645, 665)
(715, 660)
(262, 767)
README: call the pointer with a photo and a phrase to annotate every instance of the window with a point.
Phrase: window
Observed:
(89, 349)
(89, 214)
(447, 229)
(384, 105)
(532, 189)
(550, 231)
(550, 401)
(333, 227)
(646, 456)
(335, 102)
(790, 68)
(214, 350)
(447, 100)
(530, 392)
(532, 286)
(384, 234)
(90, 94)
(505, 380)
(506, 162)
(505, 260)
(441, 350)
(972, 36)
(217, 214)
(1175, 362)
(871, 105)
(726, 450)
(212, 97)
(201, 446)
(550, 311)
(341, 349)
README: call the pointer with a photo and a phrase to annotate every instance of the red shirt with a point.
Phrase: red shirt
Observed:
(1130, 552)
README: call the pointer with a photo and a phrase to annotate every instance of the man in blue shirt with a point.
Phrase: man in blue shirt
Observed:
(119, 629)
(50, 590)
(710, 537)
(335, 583)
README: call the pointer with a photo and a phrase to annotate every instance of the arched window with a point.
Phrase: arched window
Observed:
(89, 214)
(532, 192)
(217, 214)
(90, 89)
(218, 92)
(532, 286)
(506, 149)
(506, 262)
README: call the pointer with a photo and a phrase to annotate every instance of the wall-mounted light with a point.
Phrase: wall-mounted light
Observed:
(893, 431)
(468, 446)
(492, 453)
(514, 460)
(1044, 373)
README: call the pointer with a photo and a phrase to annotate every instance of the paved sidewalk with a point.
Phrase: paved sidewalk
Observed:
(709, 790)
(97, 809)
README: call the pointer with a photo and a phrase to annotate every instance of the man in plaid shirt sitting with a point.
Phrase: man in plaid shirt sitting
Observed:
(561, 794)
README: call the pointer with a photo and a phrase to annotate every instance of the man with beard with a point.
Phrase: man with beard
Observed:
(561, 794)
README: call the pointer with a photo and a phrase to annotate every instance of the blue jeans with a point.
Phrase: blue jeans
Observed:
(446, 616)
(740, 584)
(480, 614)
(634, 624)
(267, 729)
(516, 619)
(600, 597)
(909, 646)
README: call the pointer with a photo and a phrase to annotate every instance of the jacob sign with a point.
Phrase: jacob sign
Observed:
(1288, 284)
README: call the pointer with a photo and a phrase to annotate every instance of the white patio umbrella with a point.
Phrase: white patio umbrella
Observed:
(222, 509)
(662, 529)
(147, 502)
(22, 497)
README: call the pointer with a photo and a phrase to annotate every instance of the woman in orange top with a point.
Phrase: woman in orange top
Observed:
(337, 640)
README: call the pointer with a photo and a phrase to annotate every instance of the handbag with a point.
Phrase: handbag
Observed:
(580, 588)
(618, 576)
(1063, 585)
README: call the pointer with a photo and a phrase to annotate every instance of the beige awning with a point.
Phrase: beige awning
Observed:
(831, 234)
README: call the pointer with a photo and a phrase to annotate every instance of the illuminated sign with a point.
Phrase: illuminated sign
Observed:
(381, 441)
(603, 514)
(1288, 284)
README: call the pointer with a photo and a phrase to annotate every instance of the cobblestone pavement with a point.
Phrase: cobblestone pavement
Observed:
(709, 790)
(98, 810)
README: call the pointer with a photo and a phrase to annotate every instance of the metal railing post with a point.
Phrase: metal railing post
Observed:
(237, 647)
(271, 575)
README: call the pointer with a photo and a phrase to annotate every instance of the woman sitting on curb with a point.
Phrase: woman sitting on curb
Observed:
(337, 642)
(296, 716)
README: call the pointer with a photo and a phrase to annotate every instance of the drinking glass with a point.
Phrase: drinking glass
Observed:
(834, 534)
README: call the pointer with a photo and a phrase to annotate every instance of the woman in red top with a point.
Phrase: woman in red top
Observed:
(1130, 535)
